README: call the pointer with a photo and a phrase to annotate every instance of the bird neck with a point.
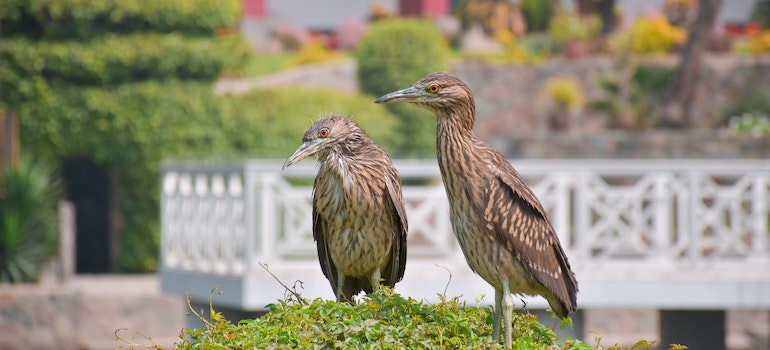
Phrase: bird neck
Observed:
(455, 125)
(455, 143)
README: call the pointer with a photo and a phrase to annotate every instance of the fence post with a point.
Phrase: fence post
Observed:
(67, 234)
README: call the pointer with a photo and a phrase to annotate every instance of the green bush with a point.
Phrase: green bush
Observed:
(29, 234)
(537, 13)
(105, 80)
(131, 128)
(382, 320)
(84, 19)
(114, 59)
(648, 36)
(126, 92)
(393, 55)
(567, 26)
(269, 123)
(761, 13)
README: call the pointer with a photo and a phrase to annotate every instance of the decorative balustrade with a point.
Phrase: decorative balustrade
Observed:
(647, 233)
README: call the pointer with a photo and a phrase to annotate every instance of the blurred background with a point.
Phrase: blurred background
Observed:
(96, 94)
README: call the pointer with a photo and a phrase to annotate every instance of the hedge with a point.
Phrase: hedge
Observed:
(82, 19)
(131, 128)
(114, 59)
(392, 56)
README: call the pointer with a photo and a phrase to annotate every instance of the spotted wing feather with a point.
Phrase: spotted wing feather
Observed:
(519, 223)
(320, 228)
(394, 271)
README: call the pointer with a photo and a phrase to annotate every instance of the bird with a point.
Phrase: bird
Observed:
(500, 225)
(359, 220)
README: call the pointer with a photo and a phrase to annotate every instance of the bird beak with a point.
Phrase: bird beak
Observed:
(307, 148)
(409, 94)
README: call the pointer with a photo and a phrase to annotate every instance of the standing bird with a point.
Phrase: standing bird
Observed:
(359, 222)
(500, 225)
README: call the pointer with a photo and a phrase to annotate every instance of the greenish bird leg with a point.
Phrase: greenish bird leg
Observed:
(508, 301)
(498, 313)
(375, 280)
(340, 281)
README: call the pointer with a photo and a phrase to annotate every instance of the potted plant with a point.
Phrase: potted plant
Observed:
(573, 32)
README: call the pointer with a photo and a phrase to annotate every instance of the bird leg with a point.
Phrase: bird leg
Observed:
(340, 281)
(508, 313)
(375, 280)
(498, 313)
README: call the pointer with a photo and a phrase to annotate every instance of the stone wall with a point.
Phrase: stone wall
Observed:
(513, 110)
(515, 95)
(85, 313)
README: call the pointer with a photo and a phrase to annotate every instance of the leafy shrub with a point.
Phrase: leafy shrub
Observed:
(565, 92)
(397, 52)
(750, 124)
(269, 123)
(537, 13)
(567, 26)
(634, 92)
(29, 234)
(648, 36)
(382, 320)
(761, 12)
(114, 59)
(131, 128)
(100, 79)
(314, 51)
(752, 99)
(755, 43)
(538, 45)
(393, 55)
(84, 19)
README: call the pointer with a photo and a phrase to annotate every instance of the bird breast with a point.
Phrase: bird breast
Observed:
(360, 232)
(464, 169)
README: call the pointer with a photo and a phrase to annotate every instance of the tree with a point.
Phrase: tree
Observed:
(677, 111)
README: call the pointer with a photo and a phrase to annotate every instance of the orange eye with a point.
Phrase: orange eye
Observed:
(434, 88)
(324, 133)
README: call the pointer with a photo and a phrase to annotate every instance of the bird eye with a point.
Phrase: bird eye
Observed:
(324, 133)
(433, 88)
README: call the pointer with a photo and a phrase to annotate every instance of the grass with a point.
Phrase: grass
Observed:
(262, 64)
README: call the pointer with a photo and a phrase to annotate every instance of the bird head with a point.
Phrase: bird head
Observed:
(436, 91)
(325, 136)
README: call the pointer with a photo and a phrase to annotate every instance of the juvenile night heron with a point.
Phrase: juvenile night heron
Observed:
(500, 225)
(359, 222)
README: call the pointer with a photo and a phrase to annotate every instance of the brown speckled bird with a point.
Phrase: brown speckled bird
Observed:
(499, 223)
(359, 222)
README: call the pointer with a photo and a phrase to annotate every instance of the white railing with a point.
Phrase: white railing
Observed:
(648, 233)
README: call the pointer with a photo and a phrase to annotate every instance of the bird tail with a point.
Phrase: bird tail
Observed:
(560, 307)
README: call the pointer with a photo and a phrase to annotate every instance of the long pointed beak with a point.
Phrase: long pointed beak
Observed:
(409, 94)
(304, 150)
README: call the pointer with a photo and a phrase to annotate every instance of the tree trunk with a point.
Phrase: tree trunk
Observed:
(680, 94)
(606, 10)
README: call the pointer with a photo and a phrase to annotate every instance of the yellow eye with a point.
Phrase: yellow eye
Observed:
(433, 88)
(324, 133)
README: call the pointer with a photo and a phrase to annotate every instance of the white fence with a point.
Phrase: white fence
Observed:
(677, 234)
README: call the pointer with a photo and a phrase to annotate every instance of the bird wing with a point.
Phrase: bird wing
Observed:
(398, 248)
(320, 228)
(515, 215)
